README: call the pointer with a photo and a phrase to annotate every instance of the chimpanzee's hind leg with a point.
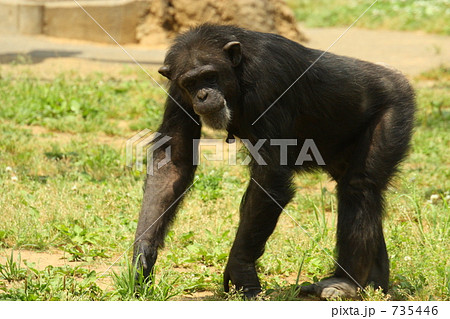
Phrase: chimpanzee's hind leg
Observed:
(362, 256)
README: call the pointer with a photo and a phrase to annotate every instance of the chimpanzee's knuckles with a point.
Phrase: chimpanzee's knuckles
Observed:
(226, 280)
(144, 258)
(243, 276)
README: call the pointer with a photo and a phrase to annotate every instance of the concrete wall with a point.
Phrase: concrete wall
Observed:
(67, 20)
(20, 17)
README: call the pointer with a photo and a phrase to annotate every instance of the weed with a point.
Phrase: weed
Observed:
(129, 286)
(12, 270)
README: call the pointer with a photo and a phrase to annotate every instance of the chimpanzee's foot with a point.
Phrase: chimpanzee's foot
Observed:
(331, 288)
(243, 276)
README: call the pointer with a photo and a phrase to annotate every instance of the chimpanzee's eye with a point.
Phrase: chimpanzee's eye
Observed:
(209, 77)
(188, 83)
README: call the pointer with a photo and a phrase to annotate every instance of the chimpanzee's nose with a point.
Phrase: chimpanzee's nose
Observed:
(202, 94)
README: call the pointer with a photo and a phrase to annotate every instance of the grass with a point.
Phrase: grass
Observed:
(428, 16)
(65, 190)
(69, 104)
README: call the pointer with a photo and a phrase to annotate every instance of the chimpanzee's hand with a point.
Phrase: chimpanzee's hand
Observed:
(144, 258)
(243, 276)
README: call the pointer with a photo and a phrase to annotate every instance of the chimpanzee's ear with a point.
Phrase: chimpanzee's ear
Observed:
(165, 71)
(233, 48)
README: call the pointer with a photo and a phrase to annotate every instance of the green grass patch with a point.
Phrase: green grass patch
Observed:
(429, 16)
(69, 103)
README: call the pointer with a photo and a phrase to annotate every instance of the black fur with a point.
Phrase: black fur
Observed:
(360, 115)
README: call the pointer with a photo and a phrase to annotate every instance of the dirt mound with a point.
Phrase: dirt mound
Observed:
(166, 18)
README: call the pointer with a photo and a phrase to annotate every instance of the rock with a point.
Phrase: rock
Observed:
(166, 18)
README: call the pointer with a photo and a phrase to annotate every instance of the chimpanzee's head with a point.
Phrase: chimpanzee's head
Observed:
(203, 69)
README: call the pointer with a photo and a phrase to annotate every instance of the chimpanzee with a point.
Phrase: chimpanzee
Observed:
(261, 86)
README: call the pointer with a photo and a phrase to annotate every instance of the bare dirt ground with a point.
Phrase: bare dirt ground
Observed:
(58, 258)
(410, 52)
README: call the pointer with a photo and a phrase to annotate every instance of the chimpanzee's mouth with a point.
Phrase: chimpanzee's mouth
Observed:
(217, 120)
(210, 108)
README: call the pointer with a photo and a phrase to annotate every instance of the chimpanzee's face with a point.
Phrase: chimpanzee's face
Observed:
(205, 90)
(207, 80)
